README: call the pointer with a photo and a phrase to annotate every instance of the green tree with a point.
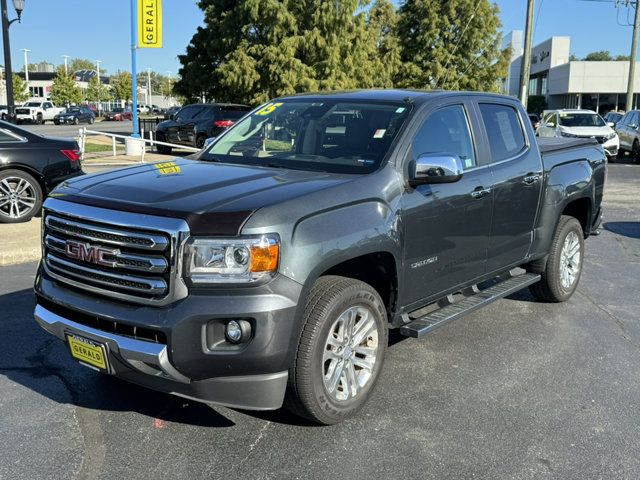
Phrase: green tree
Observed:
(65, 90)
(75, 64)
(97, 91)
(20, 90)
(599, 56)
(450, 45)
(623, 58)
(121, 86)
(381, 24)
(252, 50)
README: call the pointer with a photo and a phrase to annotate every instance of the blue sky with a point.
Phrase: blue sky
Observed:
(99, 29)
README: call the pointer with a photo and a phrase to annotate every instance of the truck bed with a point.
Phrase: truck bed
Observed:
(549, 144)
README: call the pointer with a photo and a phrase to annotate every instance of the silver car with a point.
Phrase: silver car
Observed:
(627, 129)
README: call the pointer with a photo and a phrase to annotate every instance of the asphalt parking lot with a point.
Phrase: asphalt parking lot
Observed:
(519, 390)
(120, 128)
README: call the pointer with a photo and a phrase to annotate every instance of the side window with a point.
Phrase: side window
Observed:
(446, 131)
(184, 114)
(506, 138)
(633, 119)
(205, 113)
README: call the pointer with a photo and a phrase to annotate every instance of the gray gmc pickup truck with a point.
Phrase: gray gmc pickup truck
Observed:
(269, 270)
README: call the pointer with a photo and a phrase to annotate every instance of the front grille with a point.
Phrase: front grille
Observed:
(106, 259)
(104, 324)
(600, 139)
(23, 111)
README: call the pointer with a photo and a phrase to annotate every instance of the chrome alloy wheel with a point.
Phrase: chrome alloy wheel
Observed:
(350, 353)
(17, 197)
(570, 258)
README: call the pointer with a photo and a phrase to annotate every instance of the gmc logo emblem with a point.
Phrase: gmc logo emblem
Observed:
(86, 252)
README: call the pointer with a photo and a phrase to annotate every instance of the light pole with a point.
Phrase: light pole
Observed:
(6, 23)
(66, 68)
(150, 101)
(26, 64)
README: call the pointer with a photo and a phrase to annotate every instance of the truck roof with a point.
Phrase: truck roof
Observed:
(399, 95)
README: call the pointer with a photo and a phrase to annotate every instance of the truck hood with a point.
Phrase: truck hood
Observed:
(214, 198)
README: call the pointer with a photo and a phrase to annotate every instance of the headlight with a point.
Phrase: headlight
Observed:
(610, 136)
(232, 260)
(570, 135)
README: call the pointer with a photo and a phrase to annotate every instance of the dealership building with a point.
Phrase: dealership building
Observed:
(598, 86)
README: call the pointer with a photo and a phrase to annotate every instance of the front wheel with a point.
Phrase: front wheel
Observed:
(563, 266)
(341, 350)
(76, 121)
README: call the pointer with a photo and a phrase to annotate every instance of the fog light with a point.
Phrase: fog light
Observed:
(238, 331)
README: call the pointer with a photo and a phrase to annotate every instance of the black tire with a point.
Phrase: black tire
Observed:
(613, 158)
(551, 287)
(163, 148)
(76, 120)
(4, 117)
(8, 180)
(91, 120)
(330, 298)
(635, 151)
(39, 119)
(200, 139)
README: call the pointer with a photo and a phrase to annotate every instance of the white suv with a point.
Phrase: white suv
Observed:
(580, 124)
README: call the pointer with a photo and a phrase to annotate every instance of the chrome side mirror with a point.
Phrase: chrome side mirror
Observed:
(550, 125)
(435, 168)
(611, 124)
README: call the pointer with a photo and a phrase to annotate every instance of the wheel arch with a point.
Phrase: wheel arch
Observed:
(31, 171)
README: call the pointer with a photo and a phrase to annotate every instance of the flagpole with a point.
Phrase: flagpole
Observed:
(134, 69)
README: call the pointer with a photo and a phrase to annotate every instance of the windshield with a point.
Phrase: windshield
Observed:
(32, 104)
(324, 135)
(118, 110)
(581, 120)
(72, 110)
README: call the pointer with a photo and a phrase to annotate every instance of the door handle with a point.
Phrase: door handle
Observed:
(480, 192)
(531, 179)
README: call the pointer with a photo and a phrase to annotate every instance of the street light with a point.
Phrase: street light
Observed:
(6, 23)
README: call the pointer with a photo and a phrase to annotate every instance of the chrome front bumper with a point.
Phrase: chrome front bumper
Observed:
(146, 357)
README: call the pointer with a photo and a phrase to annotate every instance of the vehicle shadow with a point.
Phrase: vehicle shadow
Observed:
(34, 359)
(628, 229)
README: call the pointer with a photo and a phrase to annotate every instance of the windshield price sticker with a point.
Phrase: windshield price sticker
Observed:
(268, 108)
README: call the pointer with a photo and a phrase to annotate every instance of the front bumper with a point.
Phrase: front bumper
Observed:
(193, 362)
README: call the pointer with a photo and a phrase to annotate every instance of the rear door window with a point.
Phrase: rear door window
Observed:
(504, 131)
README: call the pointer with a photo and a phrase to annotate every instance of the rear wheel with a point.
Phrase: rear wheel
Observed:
(20, 196)
(162, 148)
(341, 350)
(635, 150)
(200, 139)
(563, 267)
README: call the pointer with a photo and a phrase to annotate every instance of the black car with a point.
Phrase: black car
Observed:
(193, 124)
(170, 112)
(75, 115)
(32, 165)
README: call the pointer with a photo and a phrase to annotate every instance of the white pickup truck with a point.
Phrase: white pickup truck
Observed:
(37, 112)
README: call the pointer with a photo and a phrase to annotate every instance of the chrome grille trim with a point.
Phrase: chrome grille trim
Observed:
(151, 286)
(171, 232)
(142, 241)
(124, 261)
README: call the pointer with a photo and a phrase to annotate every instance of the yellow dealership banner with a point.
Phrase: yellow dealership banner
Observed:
(149, 23)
